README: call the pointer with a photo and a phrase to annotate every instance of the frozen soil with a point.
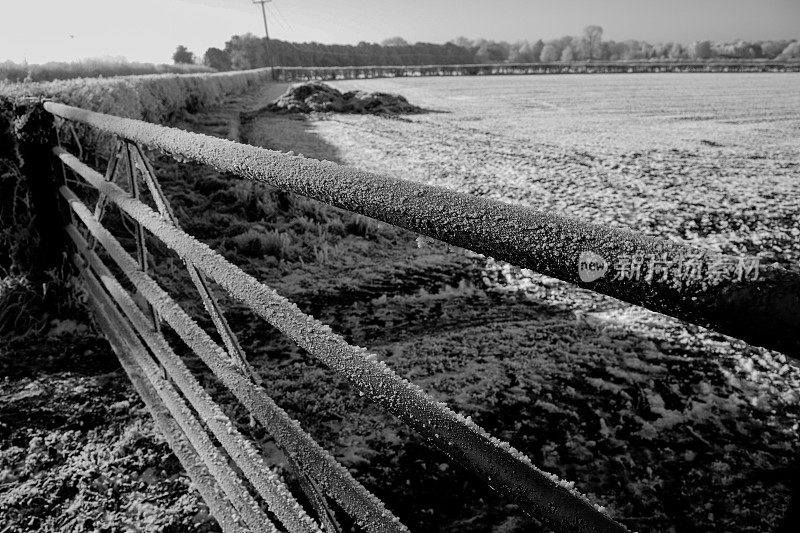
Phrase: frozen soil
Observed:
(78, 450)
(671, 427)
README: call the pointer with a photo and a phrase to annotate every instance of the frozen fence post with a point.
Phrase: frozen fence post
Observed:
(35, 136)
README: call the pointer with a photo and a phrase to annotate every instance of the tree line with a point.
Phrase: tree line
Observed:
(590, 46)
(248, 51)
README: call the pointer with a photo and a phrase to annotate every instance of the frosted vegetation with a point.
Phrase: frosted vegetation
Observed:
(664, 424)
(11, 72)
(249, 51)
(156, 98)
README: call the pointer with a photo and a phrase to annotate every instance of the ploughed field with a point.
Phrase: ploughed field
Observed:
(671, 427)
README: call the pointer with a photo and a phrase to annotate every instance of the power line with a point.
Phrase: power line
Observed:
(283, 19)
(266, 31)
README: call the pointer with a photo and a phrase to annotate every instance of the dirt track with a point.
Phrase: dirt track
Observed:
(672, 428)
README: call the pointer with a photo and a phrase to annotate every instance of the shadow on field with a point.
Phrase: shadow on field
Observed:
(655, 429)
(662, 426)
(294, 132)
(657, 426)
(286, 132)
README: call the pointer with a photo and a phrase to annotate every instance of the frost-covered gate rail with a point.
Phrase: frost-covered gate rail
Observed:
(765, 311)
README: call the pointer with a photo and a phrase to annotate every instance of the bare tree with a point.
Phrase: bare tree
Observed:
(549, 54)
(700, 50)
(676, 51)
(593, 37)
(792, 51)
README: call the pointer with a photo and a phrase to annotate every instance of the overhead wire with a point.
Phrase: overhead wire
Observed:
(286, 24)
(331, 13)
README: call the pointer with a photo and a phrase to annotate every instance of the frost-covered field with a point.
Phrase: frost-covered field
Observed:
(708, 158)
(670, 427)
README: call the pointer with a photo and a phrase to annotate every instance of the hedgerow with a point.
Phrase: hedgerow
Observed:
(154, 98)
(11, 72)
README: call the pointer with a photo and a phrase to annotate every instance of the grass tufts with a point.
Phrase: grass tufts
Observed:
(254, 243)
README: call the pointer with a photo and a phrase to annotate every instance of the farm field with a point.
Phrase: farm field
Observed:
(710, 159)
(621, 400)
(671, 427)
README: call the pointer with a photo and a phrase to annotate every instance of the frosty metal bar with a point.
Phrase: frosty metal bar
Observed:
(124, 343)
(506, 469)
(368, 510)
(111, 169)
(141, 245)
(765, 312)
(281, 503)
(209, 301)
(217, 464)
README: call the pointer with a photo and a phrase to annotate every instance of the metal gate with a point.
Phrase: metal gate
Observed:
(762, 311)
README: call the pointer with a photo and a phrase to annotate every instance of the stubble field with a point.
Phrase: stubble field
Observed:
(671, 427)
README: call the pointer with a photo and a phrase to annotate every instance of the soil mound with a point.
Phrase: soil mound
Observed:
(315, 96)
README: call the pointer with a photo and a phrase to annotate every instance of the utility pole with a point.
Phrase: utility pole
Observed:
(266, 31)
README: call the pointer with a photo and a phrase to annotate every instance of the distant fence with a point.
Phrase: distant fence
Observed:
(763, 311)
(609, 67)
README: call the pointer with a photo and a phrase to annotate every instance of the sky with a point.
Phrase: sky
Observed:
(149, 30)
